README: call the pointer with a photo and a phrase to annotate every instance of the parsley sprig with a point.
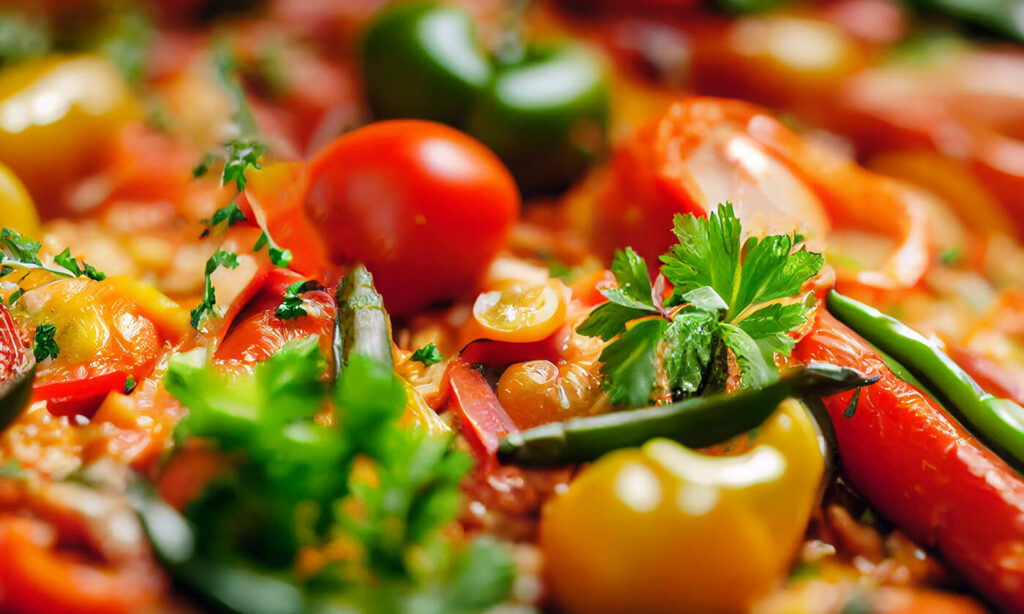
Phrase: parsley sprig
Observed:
(292, 306)
(728, 295)
(21, 251)
(220, 258)
(295, 485)
(43, 344)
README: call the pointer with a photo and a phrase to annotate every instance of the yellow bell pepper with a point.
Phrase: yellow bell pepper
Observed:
(17, 210)
(667, 529)
(55, 113)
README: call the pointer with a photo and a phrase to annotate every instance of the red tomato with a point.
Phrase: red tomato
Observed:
(422, 205)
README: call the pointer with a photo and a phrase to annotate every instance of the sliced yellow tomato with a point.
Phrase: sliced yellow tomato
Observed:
(519, 313)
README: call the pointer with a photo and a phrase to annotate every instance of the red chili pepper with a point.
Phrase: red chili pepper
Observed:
(80, 396)
(925, 472)
(483, 419)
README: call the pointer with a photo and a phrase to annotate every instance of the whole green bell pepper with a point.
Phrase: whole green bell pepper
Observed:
(545, 113)
(422, 60)
(545, 117)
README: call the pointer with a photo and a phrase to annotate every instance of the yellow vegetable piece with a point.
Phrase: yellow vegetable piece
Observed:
(419, 414)
(55, 113)
(170, 318)
(666, 529)
(520, 312)
(17, 210)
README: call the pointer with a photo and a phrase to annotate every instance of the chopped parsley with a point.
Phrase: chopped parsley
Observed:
(292, 486)
(77, 268)
(43, 344)
(952, 256)
(291, 306)
(728, 295)
(279, 257)
(129, 384)
(229, 215)
(428, 355)
(220, 258)
(17, 249)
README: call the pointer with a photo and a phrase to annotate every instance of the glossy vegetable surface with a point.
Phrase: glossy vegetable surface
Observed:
(922, 470)
(997, 422)
(390, 194)
(422, 60)
(695, 422)
(622, 522)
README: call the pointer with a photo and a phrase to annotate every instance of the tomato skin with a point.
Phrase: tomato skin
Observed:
(923, 471)
(36, 577)
(423, 206)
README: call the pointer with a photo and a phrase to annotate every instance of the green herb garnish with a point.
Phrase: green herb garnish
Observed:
(728, 294)
(291, 306)
(220, 258)
(428, 355)
(43, 344)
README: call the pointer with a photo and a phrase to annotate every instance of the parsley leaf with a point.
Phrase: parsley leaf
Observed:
(689, 341)
(230, 214)
(428, 355)
(220, 258)
(242, 155)
(771, 271)
(291, 306)
(628, 363)
(19, 248)
(278, 257)
(707, 254)
(43, 344)
(630, 272)
(129, 384)
(755, 370)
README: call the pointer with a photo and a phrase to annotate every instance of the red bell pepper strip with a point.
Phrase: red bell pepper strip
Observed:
(80, 396)
(482, 419)
(923, 471)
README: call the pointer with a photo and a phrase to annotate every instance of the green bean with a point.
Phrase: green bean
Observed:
(997, 422)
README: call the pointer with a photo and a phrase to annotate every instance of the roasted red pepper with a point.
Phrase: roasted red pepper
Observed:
(923, 471)
(79, 396)
(482, 419)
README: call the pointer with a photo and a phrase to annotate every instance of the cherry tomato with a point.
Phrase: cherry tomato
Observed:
(423, 206)
(539, 391)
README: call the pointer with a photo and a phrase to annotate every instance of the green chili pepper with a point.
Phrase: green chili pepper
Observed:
(422, 60)
(362, 325)
(234, 587)
(997, 422)
(695, 422)
(546, 117)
